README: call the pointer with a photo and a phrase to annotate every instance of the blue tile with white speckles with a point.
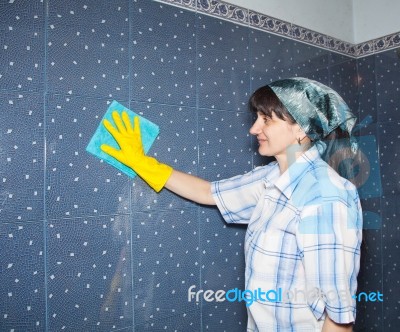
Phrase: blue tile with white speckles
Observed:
(22, 45)
(77, 183)
(22, 277)
(387, 69)
(22, 157)
(225, 144)
(163, 54)
(88, 48)
(89, 273)
(223, 64)
(166, 263)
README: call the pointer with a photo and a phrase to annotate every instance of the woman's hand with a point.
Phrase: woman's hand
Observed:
(128, 138)
(131, 152)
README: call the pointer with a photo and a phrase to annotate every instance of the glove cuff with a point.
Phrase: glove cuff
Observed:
(154, 173)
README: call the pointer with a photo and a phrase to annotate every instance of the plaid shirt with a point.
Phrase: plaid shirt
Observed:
(302, 244)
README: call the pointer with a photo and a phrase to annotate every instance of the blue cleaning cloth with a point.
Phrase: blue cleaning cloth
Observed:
(149, 132)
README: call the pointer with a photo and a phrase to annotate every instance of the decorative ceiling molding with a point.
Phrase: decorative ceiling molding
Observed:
(256, 20)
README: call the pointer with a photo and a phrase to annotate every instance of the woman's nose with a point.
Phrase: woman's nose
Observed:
(255, 128)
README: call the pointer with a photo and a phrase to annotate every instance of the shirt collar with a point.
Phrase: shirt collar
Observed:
(288, 181)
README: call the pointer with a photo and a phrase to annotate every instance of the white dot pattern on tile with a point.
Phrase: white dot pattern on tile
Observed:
(22, 274)
(22, 62)
(89, 262)
(378, 98)
(387, 68)
(163, 51)
(177, 145)
(21, 157)
(113, 254)
(166, 248)
(70, 189)
(87, 48)
(225, 144)
(222, 64)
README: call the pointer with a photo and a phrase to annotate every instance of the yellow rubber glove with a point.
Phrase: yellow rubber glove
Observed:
(131, 151)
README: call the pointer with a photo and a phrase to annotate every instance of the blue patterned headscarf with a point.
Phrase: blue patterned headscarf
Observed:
(317, 109)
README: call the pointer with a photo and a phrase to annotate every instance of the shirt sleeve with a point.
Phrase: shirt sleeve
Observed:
(329, 239)
(237, 197)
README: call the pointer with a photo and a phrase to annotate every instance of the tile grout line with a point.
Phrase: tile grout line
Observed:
(45, 92)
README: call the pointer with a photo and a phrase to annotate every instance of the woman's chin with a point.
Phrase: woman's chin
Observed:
(265, 153)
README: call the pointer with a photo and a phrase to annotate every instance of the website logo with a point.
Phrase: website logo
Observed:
(295, 295)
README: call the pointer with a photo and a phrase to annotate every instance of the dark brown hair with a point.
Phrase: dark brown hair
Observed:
(265, 101)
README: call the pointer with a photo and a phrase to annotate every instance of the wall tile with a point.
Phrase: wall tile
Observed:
(22, 45)
(191, 4)
(188, 321)
(336, 58)
(340, 46)
(365, 48)
(344, 80)
(369, 314)
(372, 220)
(165, 264)
(308, 59)
(390, 302)
(387, 67)
(21, 162)
(309, 36)
(89, 274)
(224, 316)
(222, 268)
(367, 88)
(391, 238)
(223, 66)
(389, 153)
(222, 261)
(163, 54)
(271, 58)
(176, 146)
(320, 75)
(387, 42)
(391, 254)
(77, 183)
(224, 143)
(88, 48)
(22, 293)
(370, 185)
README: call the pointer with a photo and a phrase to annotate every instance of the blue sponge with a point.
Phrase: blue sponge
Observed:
(148, 130)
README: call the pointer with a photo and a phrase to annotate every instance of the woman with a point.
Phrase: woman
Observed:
(304, 220)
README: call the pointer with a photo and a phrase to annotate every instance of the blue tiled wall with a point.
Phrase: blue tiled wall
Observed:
(379, 98)
(84, 248)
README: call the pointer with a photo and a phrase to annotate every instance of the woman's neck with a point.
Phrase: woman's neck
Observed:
(292, 153)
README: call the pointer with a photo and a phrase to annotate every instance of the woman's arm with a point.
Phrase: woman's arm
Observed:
(190, 187)
(331, 326)
(157, 175)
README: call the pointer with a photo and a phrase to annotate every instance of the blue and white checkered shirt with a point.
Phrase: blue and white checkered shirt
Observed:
(302, 244)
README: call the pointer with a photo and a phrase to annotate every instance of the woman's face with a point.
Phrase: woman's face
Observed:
(274, 135)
